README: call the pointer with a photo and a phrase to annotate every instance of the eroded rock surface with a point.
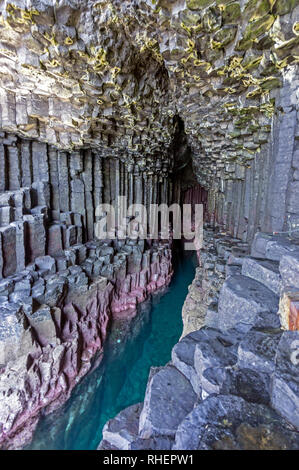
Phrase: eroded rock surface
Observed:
(169, 397)
(117, 77)
(226, 422)
(245, 379)
(220, 257)
(46, 349)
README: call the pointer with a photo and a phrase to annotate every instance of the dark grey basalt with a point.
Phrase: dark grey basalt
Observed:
(169, 398)
(121, 431)
(214, 351)
(285, 386)
(155, 443)
(252, 385)
(229, 422)
(289, 269)
(272, 247)
(264, 271)
(246, 380)
(257, 350)
(183, 359)
(244, 303)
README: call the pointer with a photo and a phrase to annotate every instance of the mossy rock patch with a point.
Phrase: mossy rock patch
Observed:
(251, 62)
(224, 36)
(258, 27)
(256, 9)
(270, 83)
(211, 20)
(190, 18)
(296, 28)
(254, 30)
(198, 4)
(231, 13)
(282, 7)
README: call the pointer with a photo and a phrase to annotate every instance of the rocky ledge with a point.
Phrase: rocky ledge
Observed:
(219, 257)
(233, 384)
(54, 319)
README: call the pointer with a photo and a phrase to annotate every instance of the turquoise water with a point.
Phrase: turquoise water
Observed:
(132, 347)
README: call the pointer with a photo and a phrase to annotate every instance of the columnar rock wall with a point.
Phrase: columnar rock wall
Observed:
(263, 196)
(115, 75)
(61, 286)
(220, 256)
(54, 321)
(49, 198)
(196, 195)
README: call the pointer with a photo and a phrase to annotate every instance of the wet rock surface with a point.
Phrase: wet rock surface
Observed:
(227, 422)
(122, 431)
(169, 397)
(245, 379)
(220, 257)
(47, 344)
(243, 303)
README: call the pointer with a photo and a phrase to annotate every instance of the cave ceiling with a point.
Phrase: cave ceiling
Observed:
(114, 75)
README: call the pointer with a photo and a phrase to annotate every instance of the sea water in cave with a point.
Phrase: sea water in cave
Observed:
(132, 347)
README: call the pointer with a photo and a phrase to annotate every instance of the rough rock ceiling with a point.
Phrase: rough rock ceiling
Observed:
(114, 74)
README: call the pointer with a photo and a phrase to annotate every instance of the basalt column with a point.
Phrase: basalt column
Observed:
(59, 284)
